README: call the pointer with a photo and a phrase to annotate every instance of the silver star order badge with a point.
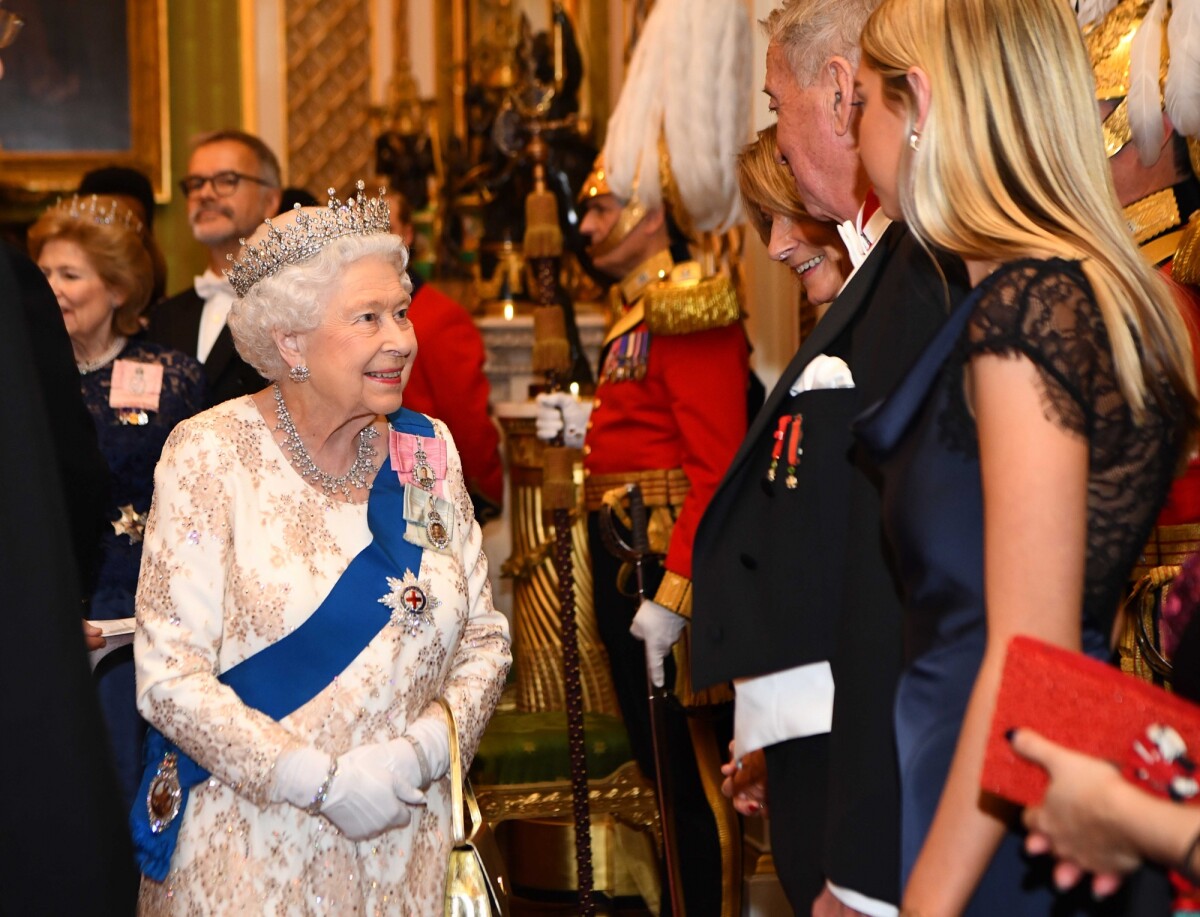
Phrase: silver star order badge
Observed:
(412, 602)
(131, 523)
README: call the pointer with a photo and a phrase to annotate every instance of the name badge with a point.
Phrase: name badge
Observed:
(135, 385)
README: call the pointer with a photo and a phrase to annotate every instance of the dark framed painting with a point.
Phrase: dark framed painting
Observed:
(85, 85)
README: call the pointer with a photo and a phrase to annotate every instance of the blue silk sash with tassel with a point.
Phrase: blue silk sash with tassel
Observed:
(288, 674)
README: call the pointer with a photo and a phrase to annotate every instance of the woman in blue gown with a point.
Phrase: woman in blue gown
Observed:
(95, 256)
(1026, 455)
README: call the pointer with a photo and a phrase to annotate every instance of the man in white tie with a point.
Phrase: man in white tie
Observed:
(232, 184)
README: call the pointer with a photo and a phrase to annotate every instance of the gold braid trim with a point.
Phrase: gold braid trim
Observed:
(1153, 215)
(1186, 266)
(675, 593)
(685, 308)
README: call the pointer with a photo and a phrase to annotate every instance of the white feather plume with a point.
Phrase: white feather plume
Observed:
(1145, 109)
(689, 82)
(1089, 11)
(1183, 76)
(638, 114)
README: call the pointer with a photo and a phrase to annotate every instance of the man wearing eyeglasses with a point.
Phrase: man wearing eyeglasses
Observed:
(231, 186)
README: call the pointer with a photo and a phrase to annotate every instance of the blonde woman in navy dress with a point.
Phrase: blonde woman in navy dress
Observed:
(1026, 455)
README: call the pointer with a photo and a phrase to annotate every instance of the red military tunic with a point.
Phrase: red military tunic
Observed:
(447, 382)
(679, 404)
(1183, 501)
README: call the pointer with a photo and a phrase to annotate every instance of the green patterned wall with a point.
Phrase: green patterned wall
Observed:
(203, 58)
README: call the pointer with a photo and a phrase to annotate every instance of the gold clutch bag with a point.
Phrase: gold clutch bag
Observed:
(476, 882)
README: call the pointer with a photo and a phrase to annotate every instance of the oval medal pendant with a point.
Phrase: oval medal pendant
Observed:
(164, 796)
(436, 529)
(423, 473)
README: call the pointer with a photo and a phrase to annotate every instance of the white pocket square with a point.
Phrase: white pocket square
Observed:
(824, 371)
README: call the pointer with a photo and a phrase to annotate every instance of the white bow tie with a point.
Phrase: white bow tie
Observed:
(208, 285)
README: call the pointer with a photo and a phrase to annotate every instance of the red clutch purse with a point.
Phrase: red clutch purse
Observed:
(1152, 736)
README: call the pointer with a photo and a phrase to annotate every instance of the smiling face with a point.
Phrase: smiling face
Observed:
(86, 302)
(883, 132)
(361, 354)
(814, 251)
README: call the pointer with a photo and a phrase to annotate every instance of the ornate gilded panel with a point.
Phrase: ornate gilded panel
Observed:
(328, 93)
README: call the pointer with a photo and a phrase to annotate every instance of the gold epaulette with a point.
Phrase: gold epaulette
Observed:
(1186, 266)
(687, 302)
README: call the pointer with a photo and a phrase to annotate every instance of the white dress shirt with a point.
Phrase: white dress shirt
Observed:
(218, 300)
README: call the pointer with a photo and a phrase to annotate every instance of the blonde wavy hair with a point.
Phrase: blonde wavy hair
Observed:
(767, 185)
(1011, 164)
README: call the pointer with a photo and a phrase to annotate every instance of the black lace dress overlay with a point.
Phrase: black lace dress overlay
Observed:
(1046, 312)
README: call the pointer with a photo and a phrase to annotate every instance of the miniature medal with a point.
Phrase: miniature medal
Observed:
(777, 449)
(794, 450)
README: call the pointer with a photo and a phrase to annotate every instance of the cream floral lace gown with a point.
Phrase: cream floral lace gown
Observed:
(239, 552)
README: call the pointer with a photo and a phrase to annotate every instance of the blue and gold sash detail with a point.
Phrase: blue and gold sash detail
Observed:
(292, 671)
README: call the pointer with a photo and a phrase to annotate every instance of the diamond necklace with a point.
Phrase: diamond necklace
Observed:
(356, 477)
(113, 351)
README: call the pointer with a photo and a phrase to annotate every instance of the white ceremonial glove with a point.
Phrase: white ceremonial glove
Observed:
(659, 628)
(410, 775)
(361, 802)
(299, 773)
(562, 412)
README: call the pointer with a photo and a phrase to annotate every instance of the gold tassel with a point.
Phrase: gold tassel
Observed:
(558, 478)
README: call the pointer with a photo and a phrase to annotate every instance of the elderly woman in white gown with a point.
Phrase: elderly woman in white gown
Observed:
(312, 583)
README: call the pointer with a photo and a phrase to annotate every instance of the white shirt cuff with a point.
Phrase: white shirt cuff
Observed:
(860, 902)
(791, 704)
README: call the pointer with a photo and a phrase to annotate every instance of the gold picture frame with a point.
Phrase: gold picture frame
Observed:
(40, 156)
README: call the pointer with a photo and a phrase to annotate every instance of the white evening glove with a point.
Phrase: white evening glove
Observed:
(562, 412)
(361, 802)
(299, 774)
(430, 734)
(659, 628)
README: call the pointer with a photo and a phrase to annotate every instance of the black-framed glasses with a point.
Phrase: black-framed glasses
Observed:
(10, 25)
(223, 183)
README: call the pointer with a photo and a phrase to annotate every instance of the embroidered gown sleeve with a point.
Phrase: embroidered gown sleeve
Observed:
(186, 562)
(481, 659)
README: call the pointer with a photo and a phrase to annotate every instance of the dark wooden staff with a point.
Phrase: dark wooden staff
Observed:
(552, 358)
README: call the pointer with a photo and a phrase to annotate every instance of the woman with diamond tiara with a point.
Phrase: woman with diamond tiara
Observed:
(95, 255)
(313, 584)
(1026, 455)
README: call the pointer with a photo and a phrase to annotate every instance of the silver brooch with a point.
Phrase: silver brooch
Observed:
(412, 602)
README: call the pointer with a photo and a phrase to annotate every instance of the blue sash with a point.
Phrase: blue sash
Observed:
(289, 673)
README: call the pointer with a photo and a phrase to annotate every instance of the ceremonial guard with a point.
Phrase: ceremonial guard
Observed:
(670, 405)
(1154, 161)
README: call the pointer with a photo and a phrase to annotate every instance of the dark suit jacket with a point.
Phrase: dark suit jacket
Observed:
(769, 597)
(175, 323)
(64, 848)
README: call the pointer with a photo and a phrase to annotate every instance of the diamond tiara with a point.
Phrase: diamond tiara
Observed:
(307, 234)
(91, 209)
